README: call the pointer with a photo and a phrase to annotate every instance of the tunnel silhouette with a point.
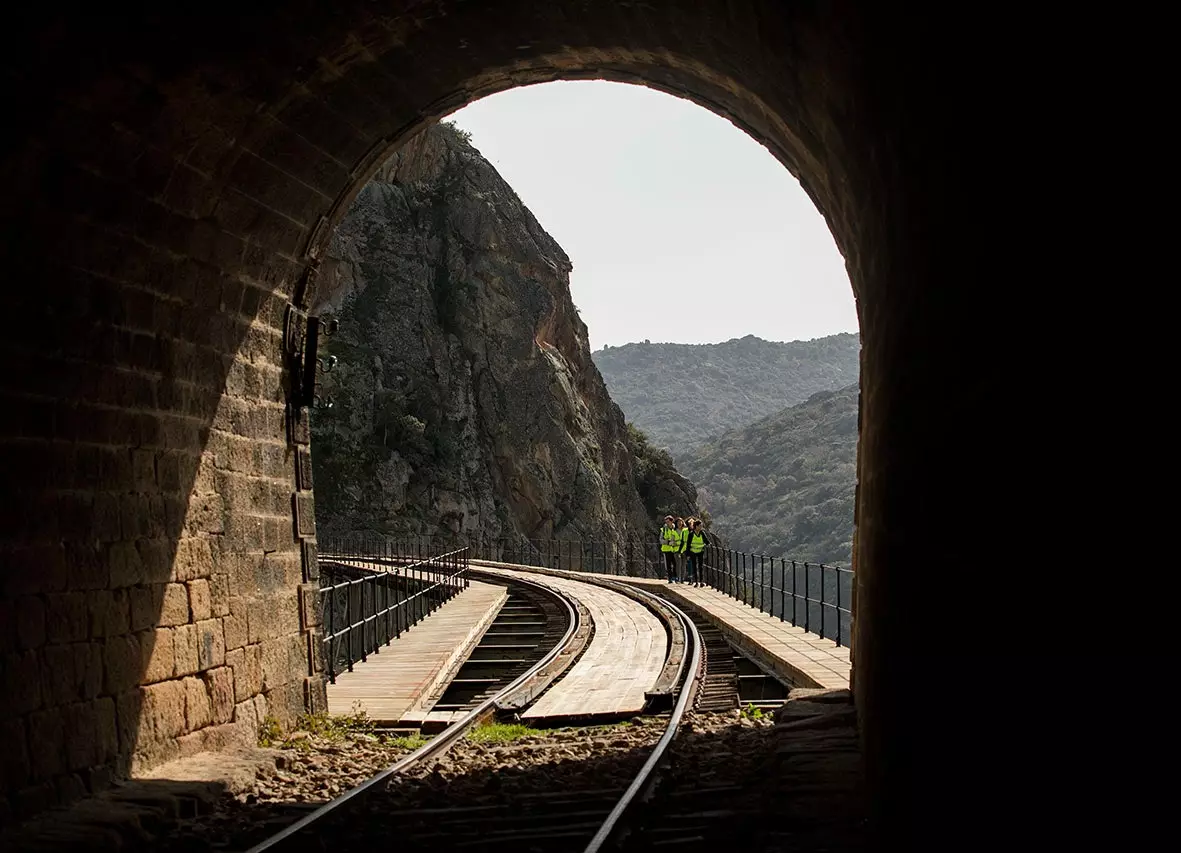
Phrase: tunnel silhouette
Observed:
(172, 188)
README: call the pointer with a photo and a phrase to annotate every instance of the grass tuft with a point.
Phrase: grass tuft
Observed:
(499, 733)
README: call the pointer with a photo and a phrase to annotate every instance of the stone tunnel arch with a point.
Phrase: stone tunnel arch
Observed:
(169, 200)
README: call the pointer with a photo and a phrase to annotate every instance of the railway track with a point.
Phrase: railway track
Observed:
(550, 812)
(528, 625)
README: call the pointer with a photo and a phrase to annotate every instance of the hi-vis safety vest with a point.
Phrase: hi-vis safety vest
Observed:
(696, 542)
(670, 539)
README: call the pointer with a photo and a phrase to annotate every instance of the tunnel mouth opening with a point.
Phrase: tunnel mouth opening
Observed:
(414, 424)
(204, 201)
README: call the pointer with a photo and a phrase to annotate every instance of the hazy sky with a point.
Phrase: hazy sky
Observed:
(658, 201)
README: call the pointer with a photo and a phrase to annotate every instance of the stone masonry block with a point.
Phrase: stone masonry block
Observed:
(305, 517)
(200, 602)
(58, 674)
(8, 641)
(192, 743)
(248, 672)
(122, 663)
(315, 695)
(262, 709)
(127, 569)
(67, 617)
(47, 734)
(143, 469)
(315, 651)
(198, 711)
(194, 558)
(220, 685)
(81, 747)
(211, 643)
(129, 706)
(246, 715)
(156, 555)
(219, 594)
(309, 560)
(164, 710)
(159, 654)
(30, 622)
(146, 602)
(309, 606)
(235, 629)
(110, 612)
(14, 769)
(106, 731)
(175, 607)
(277, 667)
(88, 667)
(266, 623)
(236, 661)
(185, 648)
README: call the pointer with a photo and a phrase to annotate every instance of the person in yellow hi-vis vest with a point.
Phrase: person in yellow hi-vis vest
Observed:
(670, 545)
(695, 544)
(682, 532)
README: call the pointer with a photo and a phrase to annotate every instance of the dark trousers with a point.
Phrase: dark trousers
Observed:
(670, 564)
(693, 565)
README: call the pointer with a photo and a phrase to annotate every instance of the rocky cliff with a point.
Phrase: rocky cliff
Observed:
(465, 398)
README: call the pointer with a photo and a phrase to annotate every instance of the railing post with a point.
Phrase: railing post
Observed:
(782, 590)
(348, 615)
(807, 599)
(822, 614)
(331, 631)
(793, 594)
(762, 582)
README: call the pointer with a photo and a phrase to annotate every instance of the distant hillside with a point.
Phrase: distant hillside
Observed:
(680, 394)
(784, 485)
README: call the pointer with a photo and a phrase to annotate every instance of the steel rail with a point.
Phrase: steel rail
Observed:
(441, 742)
(646, 775)
(687, 671)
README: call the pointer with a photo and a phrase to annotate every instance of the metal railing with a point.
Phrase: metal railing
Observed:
(814, 596)
(372, 591)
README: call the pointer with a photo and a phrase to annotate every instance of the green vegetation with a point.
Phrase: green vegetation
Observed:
(784, 485)
(335, 727)
(750, 712)
(499, 733)
(680, 394)
(465, 135)
(408, 742)
(270, 733)
(661, 488)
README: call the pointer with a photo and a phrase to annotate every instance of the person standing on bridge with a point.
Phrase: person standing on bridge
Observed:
(682, 534)
(695, 544)
(670, 545)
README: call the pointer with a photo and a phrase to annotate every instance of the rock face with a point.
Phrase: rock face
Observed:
(465, 397)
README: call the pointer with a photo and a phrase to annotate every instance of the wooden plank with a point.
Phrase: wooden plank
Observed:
(620, 665)
(806, 659)
(391, 683)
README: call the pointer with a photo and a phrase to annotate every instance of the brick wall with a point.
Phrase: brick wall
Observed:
(168, 196)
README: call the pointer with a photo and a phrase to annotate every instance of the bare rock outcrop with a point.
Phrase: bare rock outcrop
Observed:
(465, 399)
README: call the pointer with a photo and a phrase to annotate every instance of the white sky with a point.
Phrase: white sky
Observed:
(656, 199)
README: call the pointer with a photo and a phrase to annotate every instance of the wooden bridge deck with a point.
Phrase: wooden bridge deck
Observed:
(810, 660)
(391, 684)
(806, 659)
(622, 662)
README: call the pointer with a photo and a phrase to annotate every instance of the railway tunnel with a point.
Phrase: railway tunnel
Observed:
(172, 184)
